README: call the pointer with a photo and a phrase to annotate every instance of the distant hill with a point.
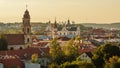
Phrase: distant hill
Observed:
(105, 26)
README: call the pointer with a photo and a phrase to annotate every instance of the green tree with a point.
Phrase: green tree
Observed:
(77, 64)
(103, 53)
(70, 51)
(3, 43)
(114, 62)
(34, 58)
(78, 38)
(113, 65)
(55, 52)
(53, 65)
(69, 65)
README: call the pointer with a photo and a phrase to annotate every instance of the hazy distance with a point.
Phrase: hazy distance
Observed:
(80, 11)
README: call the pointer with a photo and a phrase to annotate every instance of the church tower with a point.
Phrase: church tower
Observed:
(27, 28)
(48, 29)
(55, 30)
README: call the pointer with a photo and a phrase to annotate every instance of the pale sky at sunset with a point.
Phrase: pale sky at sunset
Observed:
(80, 11)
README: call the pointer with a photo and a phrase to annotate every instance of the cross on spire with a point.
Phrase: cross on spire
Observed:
(55, 19)
(26, 6)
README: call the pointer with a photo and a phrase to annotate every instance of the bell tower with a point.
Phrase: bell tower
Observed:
(27, 28)
(55, 30)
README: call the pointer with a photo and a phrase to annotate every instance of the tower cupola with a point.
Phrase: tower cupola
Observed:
(26, 15)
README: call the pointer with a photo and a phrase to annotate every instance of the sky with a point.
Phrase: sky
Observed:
(80, 11)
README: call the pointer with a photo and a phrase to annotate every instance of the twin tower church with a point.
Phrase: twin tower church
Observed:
(24, 40)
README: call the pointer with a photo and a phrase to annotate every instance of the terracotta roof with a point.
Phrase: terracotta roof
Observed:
(42, 44)
(9, 63)
(64, 38)
(28, 52)
(15, 39)
(98, 31)
(86, 50)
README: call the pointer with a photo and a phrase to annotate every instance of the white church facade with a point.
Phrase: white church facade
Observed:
(65, 30)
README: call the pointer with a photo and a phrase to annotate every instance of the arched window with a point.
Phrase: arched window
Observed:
(20, 48)
(64, 33)
(11, 48)
(28, 30)
(28, 40)
(28, 46)
(23, 29)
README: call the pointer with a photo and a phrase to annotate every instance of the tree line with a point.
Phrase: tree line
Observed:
(66, 56)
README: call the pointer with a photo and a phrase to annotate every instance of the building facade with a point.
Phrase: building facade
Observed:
(64, 30)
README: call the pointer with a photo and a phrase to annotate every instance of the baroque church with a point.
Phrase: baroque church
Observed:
(64, 30)
(24, 40)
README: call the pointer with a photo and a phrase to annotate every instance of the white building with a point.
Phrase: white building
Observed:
(86, 57)
(1, 65)
(32, 65)
(65, 30)
(69, 31)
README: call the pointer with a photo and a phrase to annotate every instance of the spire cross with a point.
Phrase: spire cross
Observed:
(26, 6)
(55, 19)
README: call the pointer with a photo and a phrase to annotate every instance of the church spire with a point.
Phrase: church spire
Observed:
(55, 24)
(68, 22)
(26, 14)
(55, 29)
(26, 22)
(27, 28)
(26, 6)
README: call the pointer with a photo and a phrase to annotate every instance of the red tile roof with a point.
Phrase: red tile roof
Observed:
(15, 39)
(9, 63)
(42, 44)
(28, 51)
(86, 50)
(64, 38)
(98, 31)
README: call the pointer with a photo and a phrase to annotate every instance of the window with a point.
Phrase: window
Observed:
(42, 61)
(64, 33)
(28, 46)
(20, 48)
(11, 48)
(28, 30)
(23, 30)
(28, 40)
